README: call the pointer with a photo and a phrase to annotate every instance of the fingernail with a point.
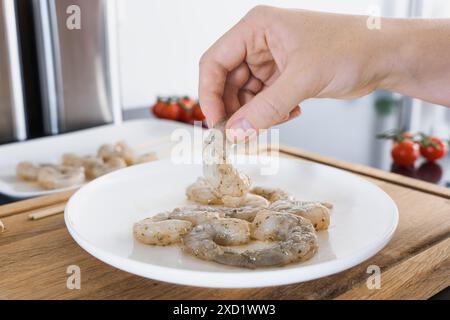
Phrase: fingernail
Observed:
(240, 130)
(296, 113)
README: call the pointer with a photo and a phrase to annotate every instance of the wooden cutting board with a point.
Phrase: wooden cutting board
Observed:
(35, 255)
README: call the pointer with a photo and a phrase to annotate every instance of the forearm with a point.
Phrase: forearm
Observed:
(417, 61)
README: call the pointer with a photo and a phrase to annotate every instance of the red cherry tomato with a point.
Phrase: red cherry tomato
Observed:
(158, 107)
(198, 113)
(405, 153)
(186, 102)
(185, 115)
(171, 111)
(433, 148)
(186, 105)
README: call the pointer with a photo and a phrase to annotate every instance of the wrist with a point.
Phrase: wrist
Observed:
(414, 58)
(395, 58)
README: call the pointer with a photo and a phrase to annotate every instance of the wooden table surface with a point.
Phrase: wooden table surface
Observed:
(35, 255)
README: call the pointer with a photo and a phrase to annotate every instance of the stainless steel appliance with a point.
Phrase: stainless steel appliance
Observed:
(12, 115)
(76, 42)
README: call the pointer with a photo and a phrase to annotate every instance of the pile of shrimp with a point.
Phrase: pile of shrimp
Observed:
(229, 215)
(75, 170)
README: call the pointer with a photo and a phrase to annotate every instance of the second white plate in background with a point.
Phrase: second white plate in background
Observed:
(83, 142)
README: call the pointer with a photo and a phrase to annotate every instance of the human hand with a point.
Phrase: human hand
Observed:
(273, 59)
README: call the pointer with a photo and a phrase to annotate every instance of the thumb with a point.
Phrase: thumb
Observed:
(269, 107)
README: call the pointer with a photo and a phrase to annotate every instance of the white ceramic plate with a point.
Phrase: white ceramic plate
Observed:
(101, 214)
(50, 149)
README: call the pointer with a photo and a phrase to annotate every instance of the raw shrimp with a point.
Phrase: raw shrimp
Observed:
(316, 212)
(195, 215)
(90, 164)
(71, 159)
(293, 238)
(27, 171)
(223, 178)
(201, 192)
(246, 200)
(222, 184)
(105, 151)
(58, 177)
(255, 201)
(164, 232)
(125, 152)
(102, 168)
(231, 231)
(120, 150)
(206, 239)
(247, 209)
(168, 227)
(271, 194)
(247, 213)
(87, 162)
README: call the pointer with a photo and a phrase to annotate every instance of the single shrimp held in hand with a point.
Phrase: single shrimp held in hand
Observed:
(222, 177)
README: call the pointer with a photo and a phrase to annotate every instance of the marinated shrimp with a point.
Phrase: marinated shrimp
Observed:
(316, 212)
(271, 194)
(168, 227)
(255, 201)
(162, 233)
(195, 215)
(87, 162)
(122, 150)
(222, 177)
(275, 194)
(58, 177)
(27, 171)
(202, 193)
(231, 231)
(246, 213)
(101, 168)
(292, 239)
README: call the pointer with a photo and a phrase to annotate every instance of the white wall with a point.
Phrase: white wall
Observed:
(436, 9)
(161, 41)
